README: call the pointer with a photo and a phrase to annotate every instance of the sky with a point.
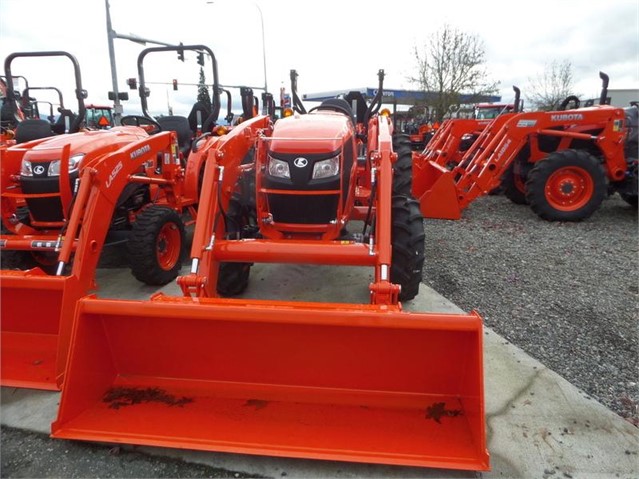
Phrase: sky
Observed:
(332, 44)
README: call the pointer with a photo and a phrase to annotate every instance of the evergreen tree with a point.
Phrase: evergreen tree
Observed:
(203, 94)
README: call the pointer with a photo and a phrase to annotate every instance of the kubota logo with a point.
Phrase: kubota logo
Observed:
(300, 162)
(567, 117)
(140, 151)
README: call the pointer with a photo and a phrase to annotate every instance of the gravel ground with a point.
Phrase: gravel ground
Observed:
(26, 454)
(566, 293)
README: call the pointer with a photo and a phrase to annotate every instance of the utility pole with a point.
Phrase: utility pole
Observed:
(117, 106)
(111, 35)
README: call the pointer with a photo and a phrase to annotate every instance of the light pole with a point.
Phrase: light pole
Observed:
(263, 45)
(111, 34)
(211, 2)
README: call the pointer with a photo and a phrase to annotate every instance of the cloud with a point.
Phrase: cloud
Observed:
(334, 44)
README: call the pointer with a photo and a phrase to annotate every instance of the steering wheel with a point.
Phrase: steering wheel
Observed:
(337, 108)
(572, 98)
(142, 121)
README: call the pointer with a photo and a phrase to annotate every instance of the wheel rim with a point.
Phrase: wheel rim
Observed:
(569, 189)
(168, 246)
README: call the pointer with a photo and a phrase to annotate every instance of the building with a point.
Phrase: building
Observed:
(623, 97)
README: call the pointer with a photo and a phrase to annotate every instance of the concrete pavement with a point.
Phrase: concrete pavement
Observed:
(538, 424)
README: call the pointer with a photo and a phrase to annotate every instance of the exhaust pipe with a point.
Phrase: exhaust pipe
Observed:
(517, 108)
(603, 99)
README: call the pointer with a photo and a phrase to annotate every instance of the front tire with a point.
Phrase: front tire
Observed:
(403, 166)
(568, 185)
(156, 245)
(407, 237)
(47, 261)
(232, 277)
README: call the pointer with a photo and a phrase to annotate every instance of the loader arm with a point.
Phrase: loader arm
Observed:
(442, 150)
(35, 334)
(382, 159)
(221, 172)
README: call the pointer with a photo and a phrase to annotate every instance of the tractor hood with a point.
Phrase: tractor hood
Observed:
(323, 132)
(91, 143)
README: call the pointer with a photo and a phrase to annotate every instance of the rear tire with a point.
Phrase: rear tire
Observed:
(156, 245)
(403, 166)
(568, 185)
(514, 186)
(407, 238)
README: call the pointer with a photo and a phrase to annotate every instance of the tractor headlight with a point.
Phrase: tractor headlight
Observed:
(326, 168)
(74, 164)
(278, 168)
(26, 169)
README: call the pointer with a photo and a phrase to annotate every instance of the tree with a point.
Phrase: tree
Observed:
(552, 86)
(203, 94)
(449, 65)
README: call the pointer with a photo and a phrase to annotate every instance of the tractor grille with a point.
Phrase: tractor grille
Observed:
(320, 209)
(44, 209)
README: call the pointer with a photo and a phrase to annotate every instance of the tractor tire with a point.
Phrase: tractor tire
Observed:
(15, 259)
(629, 195)
(407, 237)
(24, 260)
(233, 278)
(403, 167)
(47, 261)
(514, 186)
(156, 245)
(632, 200)
(567, 185)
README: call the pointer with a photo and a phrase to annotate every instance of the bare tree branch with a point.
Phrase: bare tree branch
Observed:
(552, 86)
(449, 65)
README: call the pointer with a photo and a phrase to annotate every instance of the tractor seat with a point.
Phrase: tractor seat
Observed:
(180, 125)
(33, 129)
(338, 104)
(64, 122)
(199, 114)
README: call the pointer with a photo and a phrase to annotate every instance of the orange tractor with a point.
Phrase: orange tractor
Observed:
(562, 163)
(64, 198)
(324, 380)
(419, 128)
(456, 135)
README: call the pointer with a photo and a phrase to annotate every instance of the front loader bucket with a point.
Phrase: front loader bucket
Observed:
(434, 187)
(332, 381)
(30, 307)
